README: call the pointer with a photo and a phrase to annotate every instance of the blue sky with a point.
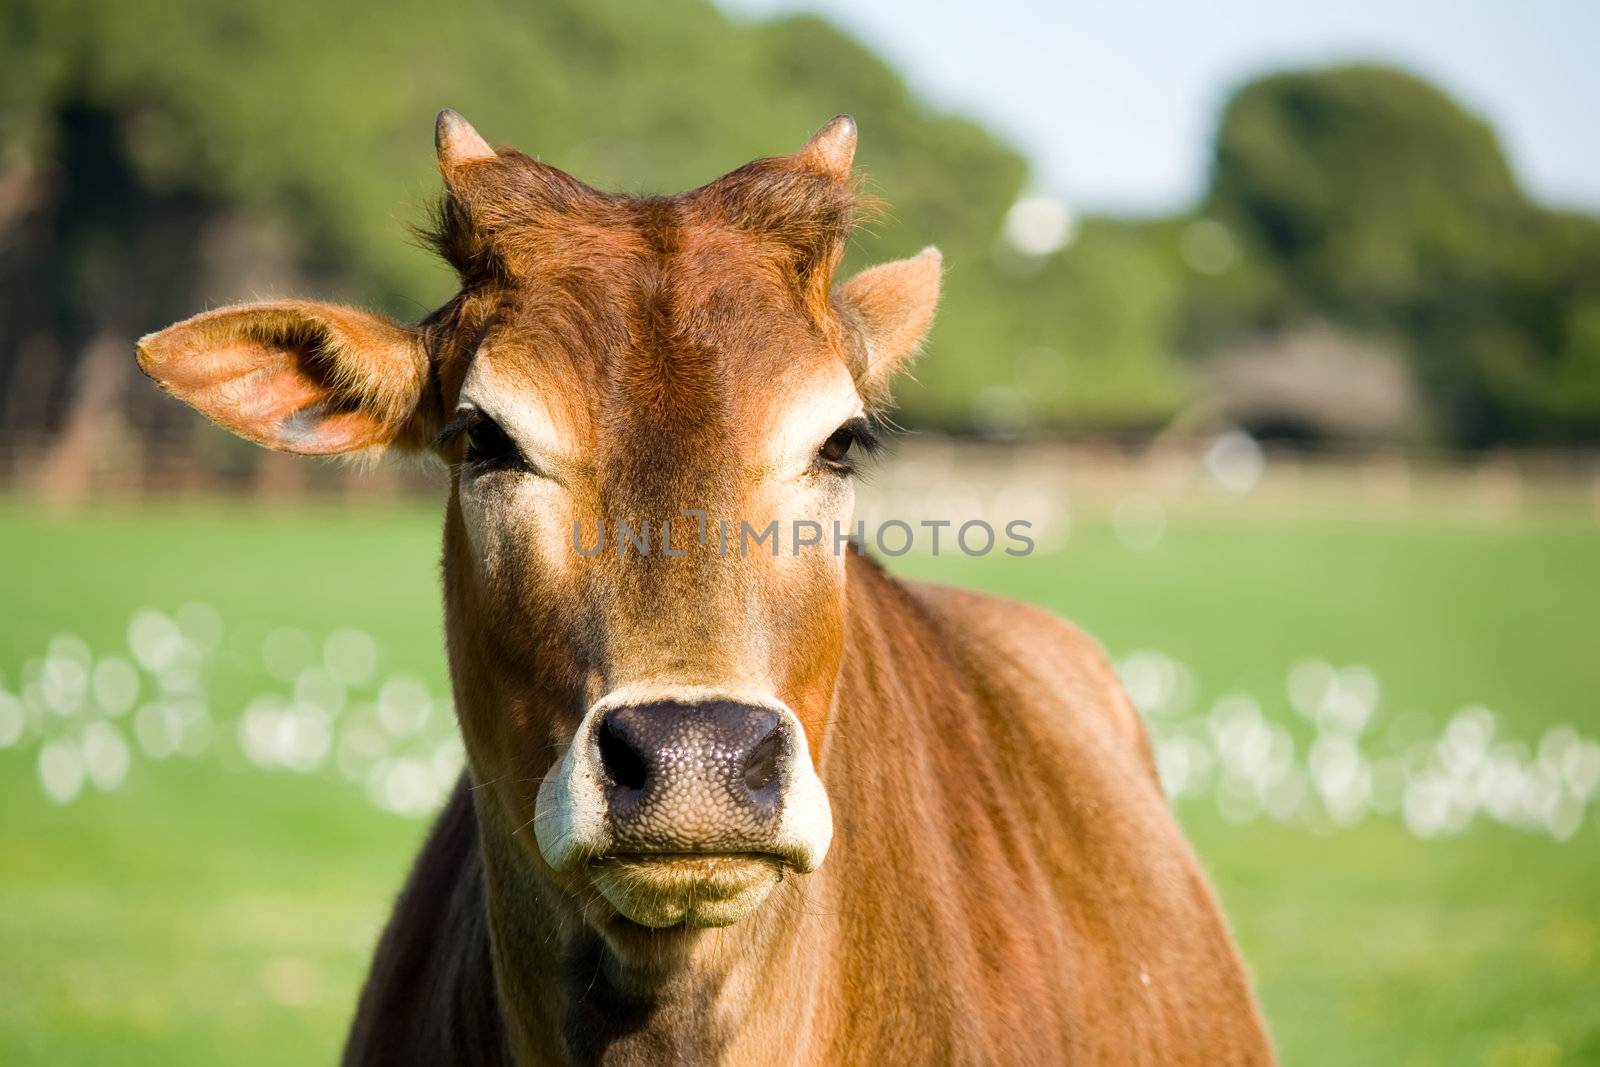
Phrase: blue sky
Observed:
(1115, 103)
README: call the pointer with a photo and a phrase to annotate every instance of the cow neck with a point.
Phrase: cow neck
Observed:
(754, 992)
(738, 994)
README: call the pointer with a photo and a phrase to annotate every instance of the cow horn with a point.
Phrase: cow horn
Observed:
(832, 148)
(457, 142)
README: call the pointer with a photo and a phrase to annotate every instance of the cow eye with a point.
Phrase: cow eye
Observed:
(488, 444)
(836, 449)
(484, 445)
(843, 449)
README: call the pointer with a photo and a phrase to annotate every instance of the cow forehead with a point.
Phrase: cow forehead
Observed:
(701, 349)
(774, 405)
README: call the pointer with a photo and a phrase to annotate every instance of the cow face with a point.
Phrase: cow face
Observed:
(651, 409)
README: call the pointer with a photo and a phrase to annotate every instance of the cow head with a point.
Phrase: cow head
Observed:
(651, 408)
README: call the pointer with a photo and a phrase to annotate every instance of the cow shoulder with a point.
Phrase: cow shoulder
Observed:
(1170, 983)
(1041, 665)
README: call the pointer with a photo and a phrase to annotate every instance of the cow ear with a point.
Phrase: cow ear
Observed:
(887, 310)
(314, 379)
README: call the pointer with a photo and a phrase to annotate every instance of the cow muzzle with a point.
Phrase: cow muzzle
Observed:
(687, 807)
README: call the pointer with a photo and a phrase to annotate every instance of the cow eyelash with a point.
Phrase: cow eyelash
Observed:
(843, 450)
(488, 447)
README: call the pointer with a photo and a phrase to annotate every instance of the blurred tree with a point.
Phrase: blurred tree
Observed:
(310, 121)
(162, 157)
(1367, 198)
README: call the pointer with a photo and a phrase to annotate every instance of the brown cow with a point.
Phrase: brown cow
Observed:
(664, 741)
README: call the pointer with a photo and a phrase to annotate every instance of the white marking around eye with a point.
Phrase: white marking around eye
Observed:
(828, 402)
(519, 409)
(526, 512)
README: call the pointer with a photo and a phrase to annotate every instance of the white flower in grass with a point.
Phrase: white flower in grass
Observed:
(194, 725)
(1173, 766)
(61, 770)
(155, 640)
(115, 683)
(1282, 792)
(63, 684)
(1335, 764)
(1541, 795)
(1242, 738)
(1347, 804)
(1351, 701)
(350, 655)
(1466, 740)
(1310, 681)
(305, 738)
(1498, 784)
(447, 760)
(13, 719)
(258, 731)
(405, 786)
(1156, 683)
(181, 678)
(403, 705)
(158, 727)
(1565, 817)
(70, 647)
(1235, 462)
(1426, 804)
(362, 745)
(318, 688)
(1556, 744)
(296, 736)
(105, 755)
(1580, 766)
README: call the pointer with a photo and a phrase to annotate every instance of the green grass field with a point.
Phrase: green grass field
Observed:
(211, 912)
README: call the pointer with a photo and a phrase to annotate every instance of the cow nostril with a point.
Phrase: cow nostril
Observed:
(761, 766)
(622, 762)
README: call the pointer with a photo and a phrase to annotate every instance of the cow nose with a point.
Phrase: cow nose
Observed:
(693, 777)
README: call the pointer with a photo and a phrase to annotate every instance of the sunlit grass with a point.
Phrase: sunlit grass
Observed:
(206, 912)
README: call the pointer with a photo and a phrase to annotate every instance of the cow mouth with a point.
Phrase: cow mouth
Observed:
(692, 890)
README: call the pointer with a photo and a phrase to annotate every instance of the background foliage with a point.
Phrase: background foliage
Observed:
(1366, 197)
(162, 156)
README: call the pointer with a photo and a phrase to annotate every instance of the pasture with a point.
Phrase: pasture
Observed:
(208, 910)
